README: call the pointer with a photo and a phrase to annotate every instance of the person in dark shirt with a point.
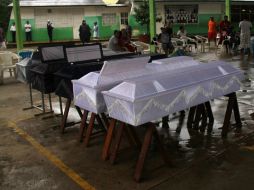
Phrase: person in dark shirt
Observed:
(50, 30)
(165, 39)
(84, 32)
(225, 27)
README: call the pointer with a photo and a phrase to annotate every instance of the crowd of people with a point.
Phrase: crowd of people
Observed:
(121, 40)
(226, 35)
(222, 33)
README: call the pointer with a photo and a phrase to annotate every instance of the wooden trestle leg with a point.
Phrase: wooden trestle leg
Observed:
(191, 116)
(209, 112)
(89, 129)
(108, 140)
(198, 116)
(131, 136)
(232, 105)
(105, 119)
(165, 122)
(200, 112)
(79, 111)
(151, 130)
(117, 142)
(83, 125)
(66, 111)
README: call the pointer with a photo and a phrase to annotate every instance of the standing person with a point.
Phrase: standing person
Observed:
(245, 34)
(28, 31)
(95, 30)
(165, 40)
(128, 30)
(84, 32)
(225, 27)
(50, 30)
(13, 32)
(212, 32)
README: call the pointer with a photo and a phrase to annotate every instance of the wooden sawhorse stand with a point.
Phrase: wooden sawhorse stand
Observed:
(102, 121)
(64, 123)
(202, 111)
(150, 132)
(232, 106)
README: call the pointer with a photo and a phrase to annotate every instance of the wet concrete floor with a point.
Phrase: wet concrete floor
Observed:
(200, 159)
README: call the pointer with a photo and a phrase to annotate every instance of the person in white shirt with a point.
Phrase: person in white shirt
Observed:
(113, 43)
(28, 31)
(245, 34)
(13, 32)
(95, 30)
(182, 34)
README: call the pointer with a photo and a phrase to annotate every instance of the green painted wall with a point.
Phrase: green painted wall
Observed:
(40, 34)
(136, 27)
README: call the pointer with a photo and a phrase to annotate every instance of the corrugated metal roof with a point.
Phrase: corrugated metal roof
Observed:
(208, 1)
(41, 3)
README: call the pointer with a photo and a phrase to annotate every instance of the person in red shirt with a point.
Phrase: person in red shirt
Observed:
(224, 28)
(124, 41)
(212, 32)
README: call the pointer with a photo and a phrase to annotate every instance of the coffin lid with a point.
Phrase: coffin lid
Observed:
(119, 70)
(142, 87)
(113, 71)
(172, 63)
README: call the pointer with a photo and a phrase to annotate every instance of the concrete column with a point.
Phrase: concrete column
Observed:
(228, 9)
(17, 18)
(152, 23)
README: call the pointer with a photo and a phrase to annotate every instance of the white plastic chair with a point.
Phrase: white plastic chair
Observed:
(8, 62)
(203, 42)
(179, 43)
(143, 47)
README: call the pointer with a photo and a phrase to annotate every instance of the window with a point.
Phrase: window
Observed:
(108, 19)
(124, 18)
(181, 14)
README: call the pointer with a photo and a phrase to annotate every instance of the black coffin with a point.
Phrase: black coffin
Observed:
(110, 55)
(70, 72)
(42, 75)
(81, 60)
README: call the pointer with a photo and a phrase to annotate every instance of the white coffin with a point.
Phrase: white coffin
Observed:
(144, 99)
(87, 90)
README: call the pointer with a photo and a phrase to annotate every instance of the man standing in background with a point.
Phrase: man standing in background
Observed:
(50, 30)
(245, 34)
(28, 31)
(84, 32)
(212, 32)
